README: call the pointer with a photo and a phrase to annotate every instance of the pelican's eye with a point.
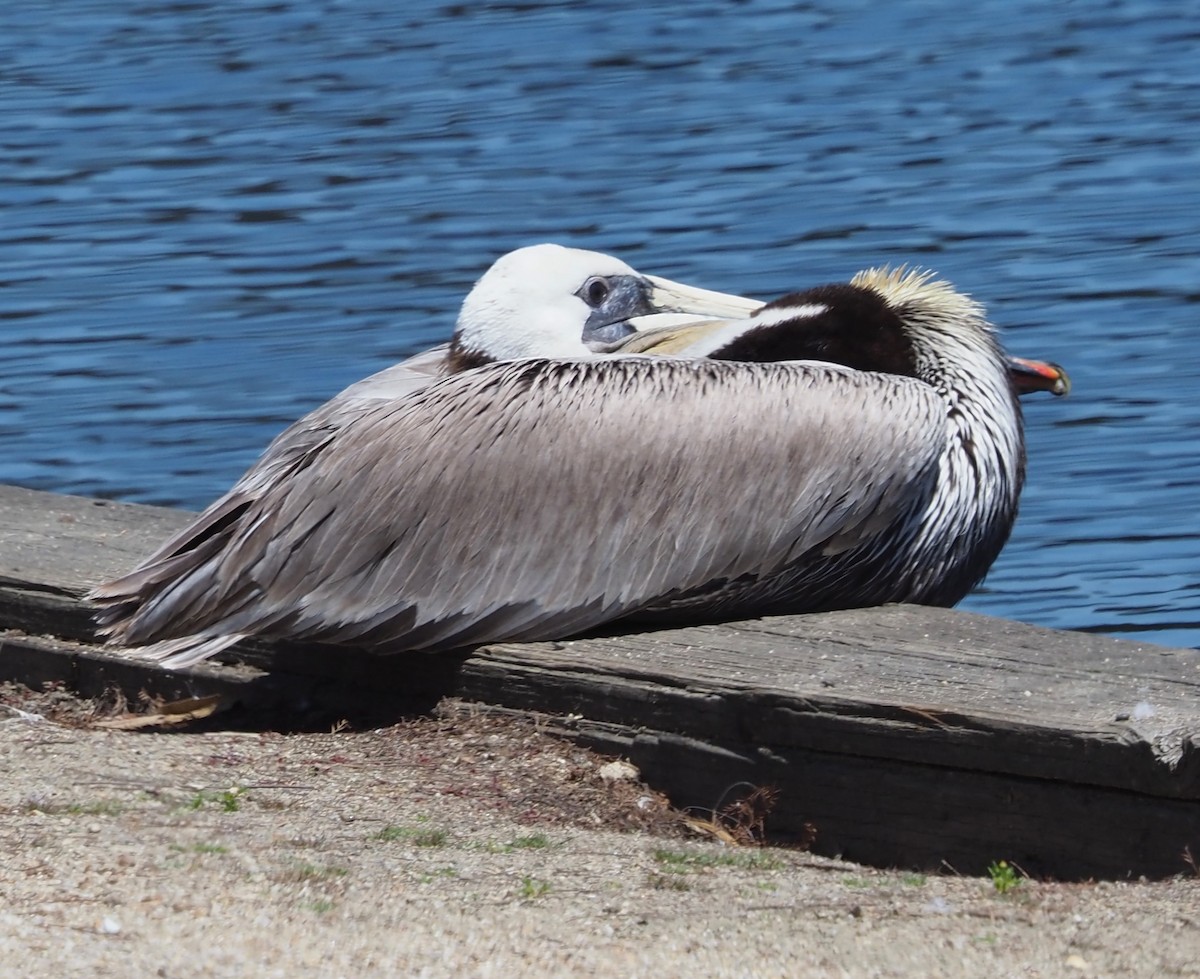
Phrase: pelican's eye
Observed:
(595, 291)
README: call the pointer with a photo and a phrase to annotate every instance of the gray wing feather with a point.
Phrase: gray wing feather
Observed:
(402, 379)
(211, 530)
(538, 499)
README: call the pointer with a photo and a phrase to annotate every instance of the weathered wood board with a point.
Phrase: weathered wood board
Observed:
(905, 736)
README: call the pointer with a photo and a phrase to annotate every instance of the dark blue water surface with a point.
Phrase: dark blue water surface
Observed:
(215, 215)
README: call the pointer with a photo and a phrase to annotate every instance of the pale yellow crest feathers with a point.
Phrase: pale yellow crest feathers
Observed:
(925, 296)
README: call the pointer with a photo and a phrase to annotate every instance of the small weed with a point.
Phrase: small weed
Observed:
(1004, 876)
(913, 880)
(311, 871)
(857, 882)
(668, 882)
(681, 862)
(537, 841)
(199, 848)
(416, 835)
(757, 861)
(230, 800)
(532, 888)
(321, 906)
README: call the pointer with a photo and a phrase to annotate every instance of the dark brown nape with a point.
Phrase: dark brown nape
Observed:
(461, 359)
(857, 329)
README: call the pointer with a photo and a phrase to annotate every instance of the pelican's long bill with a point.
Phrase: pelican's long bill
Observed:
(676, 335)
(691, 303)
(657, 305)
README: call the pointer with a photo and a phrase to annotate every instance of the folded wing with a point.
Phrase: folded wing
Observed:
(538, 499)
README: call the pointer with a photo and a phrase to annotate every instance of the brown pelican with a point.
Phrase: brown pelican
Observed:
(853, 444)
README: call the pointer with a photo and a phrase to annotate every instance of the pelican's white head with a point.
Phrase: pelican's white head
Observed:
(550, 301)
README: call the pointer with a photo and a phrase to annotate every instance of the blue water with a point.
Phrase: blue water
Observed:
(213, 216)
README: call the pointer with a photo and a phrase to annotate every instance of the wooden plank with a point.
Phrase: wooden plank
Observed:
(905, 735)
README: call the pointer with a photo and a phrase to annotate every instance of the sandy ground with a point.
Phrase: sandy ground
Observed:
(463, 845)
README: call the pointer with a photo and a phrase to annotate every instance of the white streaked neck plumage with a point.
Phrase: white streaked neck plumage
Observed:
(983, 467)
(907, 324)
